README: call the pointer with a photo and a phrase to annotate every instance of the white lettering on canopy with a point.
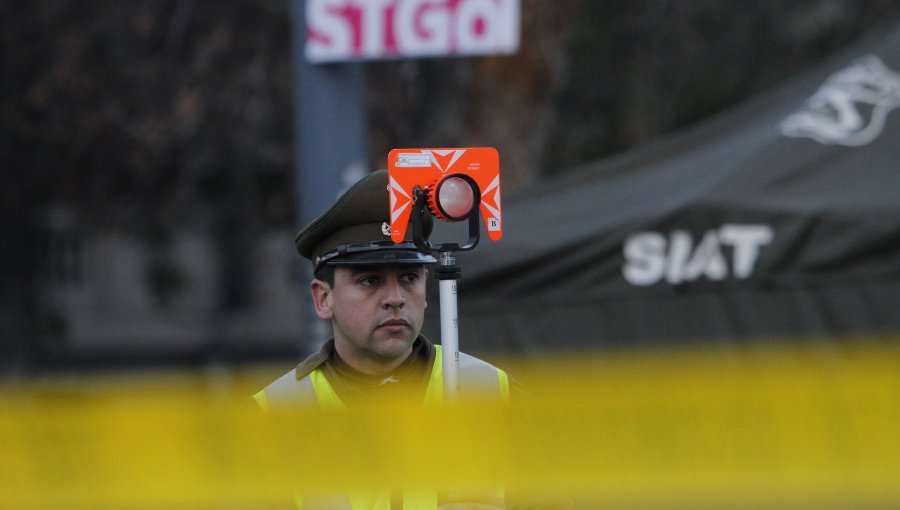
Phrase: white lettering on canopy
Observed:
(650, 257)
(339, 30)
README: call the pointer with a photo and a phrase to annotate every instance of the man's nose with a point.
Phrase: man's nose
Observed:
(393, 297)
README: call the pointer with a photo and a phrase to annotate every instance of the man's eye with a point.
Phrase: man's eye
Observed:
(368, 280)
(411, 277)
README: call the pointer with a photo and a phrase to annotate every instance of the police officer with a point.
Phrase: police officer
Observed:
(373, 293)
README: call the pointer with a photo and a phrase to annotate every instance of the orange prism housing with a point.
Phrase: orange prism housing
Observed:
(409, 168)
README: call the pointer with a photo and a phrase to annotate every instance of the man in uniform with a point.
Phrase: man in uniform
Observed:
(373, 293)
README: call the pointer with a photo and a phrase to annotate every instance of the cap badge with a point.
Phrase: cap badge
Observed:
(386, 229)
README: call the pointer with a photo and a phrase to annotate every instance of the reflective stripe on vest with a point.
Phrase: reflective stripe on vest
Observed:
(476, 378)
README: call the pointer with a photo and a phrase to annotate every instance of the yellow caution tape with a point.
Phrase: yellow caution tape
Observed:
(753, 428)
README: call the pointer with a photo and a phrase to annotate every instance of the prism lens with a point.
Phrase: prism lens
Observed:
(456, 197)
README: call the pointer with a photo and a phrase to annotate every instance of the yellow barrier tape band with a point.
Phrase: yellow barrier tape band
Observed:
(798, 428)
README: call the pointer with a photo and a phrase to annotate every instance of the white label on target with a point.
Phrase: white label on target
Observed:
(413, 160)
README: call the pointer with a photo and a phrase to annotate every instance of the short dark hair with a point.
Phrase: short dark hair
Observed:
(326, 274)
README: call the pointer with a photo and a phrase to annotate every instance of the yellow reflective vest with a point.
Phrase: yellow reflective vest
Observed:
(476, 377)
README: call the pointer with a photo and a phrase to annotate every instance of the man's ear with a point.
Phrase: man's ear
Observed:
(321, 294)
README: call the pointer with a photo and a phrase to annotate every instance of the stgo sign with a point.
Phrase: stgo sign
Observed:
(340, 30)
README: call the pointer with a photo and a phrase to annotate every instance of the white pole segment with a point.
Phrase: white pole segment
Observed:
(449, 332)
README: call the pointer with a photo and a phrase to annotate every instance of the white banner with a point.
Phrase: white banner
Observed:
(340, 30)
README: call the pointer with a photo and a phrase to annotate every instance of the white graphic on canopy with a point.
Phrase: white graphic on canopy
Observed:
(850, 108)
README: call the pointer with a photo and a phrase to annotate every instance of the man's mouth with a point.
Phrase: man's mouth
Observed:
(394, 323)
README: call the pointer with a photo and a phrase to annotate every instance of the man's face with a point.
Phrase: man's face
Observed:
(377, 313)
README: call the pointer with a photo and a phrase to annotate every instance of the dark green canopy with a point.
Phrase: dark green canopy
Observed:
(777, 220)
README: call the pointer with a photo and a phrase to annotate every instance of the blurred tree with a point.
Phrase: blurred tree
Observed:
(142, 117)
(145, 112)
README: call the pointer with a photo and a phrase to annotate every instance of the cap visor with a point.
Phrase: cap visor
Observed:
(383, 256)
